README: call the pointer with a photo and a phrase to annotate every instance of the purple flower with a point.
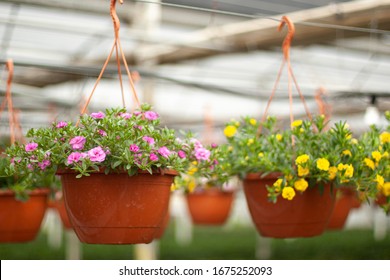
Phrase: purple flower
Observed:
(102, 132)
(164, 151)
(148, 139)
(31, 147)
(98, 115)
(153, 157)
(181, 154)
(97, 154)
(202, 154)
(45, 163)
(77, 142)
(75, 157)
(61, 124)
(150, 115)
(125, 115)
(134, 148)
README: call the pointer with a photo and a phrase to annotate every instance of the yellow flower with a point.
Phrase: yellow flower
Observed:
(288, 193)
(279, 137)
(341, 166)
(236, 123)
(354, 141)
(385, 155)
(376, 155)
(191, 185)
(296, 123)
(247, 158)
(230, 131)
(301, 185)
(332, 172)
(385, 137)
(194, 162)
(349, 171)
(250, 141)
(174, 187)
(347, 153)
(278, 184)
(261, 154)
(380, 181)
(386, 189)
(302, 159)
(369, 163)
(252, 121)
(323, 164)
(192, 170)
(288, 177)
(230, 148)
(303, 171)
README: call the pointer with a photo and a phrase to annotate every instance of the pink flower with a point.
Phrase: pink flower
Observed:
(138, 127)
(77, 142)
(98, 115)
(202, 154)
(164, 151)
(97, 154)
(134, 148)
(30, 167)
(197, 143)
(61, 124)
(153, 157)
(31, 147)
(150, 115)
(102, 132)
(137, 113)
(75, 157)
(181, 154)
(148, 139)
(45, 163)
(213, 145)
(125, 115)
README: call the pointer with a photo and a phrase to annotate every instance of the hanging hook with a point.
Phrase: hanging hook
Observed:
(115, 17)
(287, 40)
(11, 117)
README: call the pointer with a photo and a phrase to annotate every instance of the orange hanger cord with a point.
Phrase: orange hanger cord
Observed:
(118, 54)
(286, 59)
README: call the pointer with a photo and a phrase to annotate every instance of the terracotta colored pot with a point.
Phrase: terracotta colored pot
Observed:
(116, 208)
(21, 221)
(306, 215)
(209, 207)
(346, 199)
(59, 206)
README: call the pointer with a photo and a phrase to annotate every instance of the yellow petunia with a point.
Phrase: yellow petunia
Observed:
(385, 155)
(278, 184)
(296, 123)
(369, 163)
(301, 185)
(323, 164)
(250, 141)
(230, 131)
(288, 193)
(260, 154)
(191, 185)
(192, 170)
(279, 137)
(347, 153)
(303, 171)
(252, 121)
(349, 171)
(380, 181)
(302, 159)
(332, 172)
(341, 166)
(386, 189)
(354, 141)
(376, 155)
(385, 137)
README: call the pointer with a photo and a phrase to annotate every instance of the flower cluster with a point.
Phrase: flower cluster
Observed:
(304, 155)
(113, 141)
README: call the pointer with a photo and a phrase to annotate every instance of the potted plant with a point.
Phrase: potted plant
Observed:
(289, 174)
(23, 203)
(116, 170)
(205, 183)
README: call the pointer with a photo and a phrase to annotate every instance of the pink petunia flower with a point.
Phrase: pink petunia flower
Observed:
(77, 142)
(153, 157)
(150, 115)
(202, 154)
(181, 154)
(137, 113)
(134, 148)
(125, 115)
(97, 154)
(102, 132)
(164, 151)
(31, 147)
(98, 115)
(148, 139)
(61, 124)
(75, 157)
(45, 163)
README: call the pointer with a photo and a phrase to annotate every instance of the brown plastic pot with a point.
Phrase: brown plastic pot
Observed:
(346, 199)
(116, 208)
(210, 207)
(306, 215)
(21, 221)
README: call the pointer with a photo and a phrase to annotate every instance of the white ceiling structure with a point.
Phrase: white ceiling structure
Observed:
(196, 59)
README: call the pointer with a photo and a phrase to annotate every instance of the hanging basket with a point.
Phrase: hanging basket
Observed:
(117, 208)
(20, 221)
(58, 204)
(210, 206)
(306, 215)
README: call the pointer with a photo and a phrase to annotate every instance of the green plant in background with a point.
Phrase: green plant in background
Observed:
(114, 141)
(304, 156)
(206, 166)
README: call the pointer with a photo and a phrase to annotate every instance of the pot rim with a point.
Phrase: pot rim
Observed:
(158, 172)
(37, 191)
